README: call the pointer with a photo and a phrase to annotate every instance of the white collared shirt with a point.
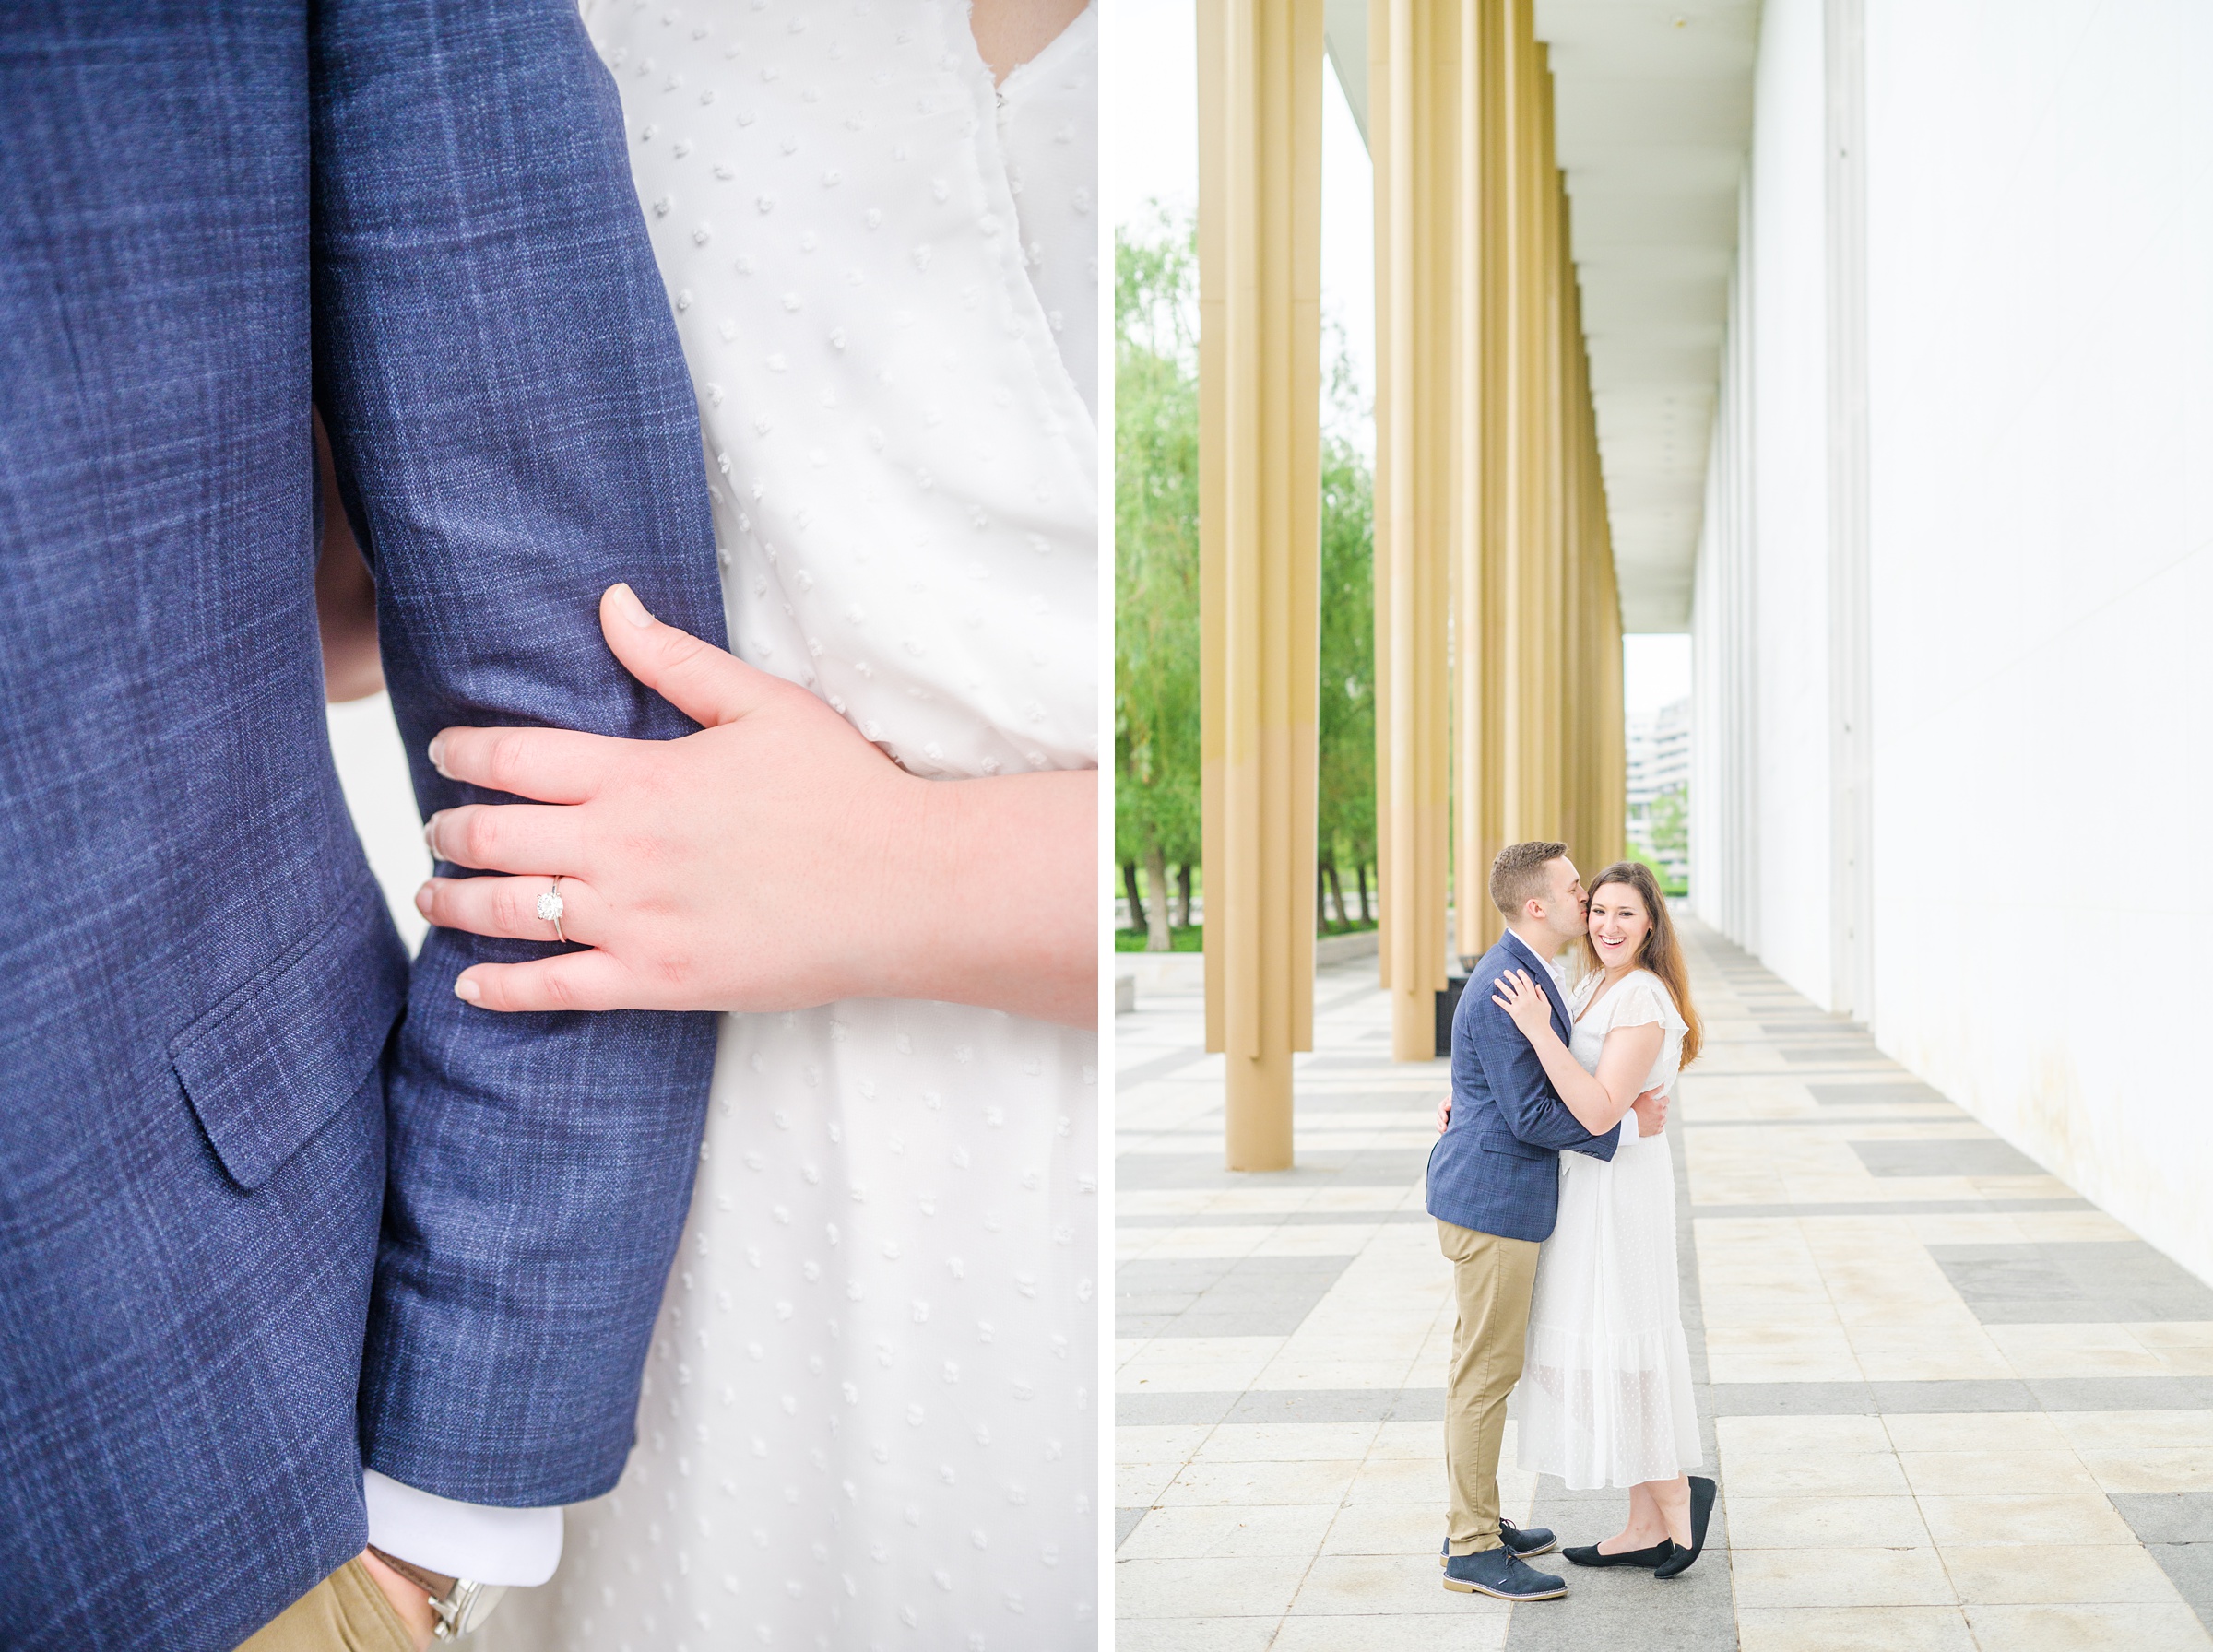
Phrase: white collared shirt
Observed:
(518, 1548)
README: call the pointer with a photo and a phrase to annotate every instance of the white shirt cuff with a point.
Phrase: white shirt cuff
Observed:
(515, 1547)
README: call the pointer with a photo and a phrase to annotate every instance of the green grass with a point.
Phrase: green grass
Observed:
(1183, 937)
(1193, 937)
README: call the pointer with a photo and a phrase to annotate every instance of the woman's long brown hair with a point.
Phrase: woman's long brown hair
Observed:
(1662, 952)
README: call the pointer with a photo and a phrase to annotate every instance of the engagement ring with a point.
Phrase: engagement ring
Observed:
(550, 906)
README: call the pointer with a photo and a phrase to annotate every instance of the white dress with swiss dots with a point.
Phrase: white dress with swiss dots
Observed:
(1605, 1395)
(869, 1416)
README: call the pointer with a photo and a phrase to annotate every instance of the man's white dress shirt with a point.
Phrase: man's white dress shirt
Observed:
(515, 1547)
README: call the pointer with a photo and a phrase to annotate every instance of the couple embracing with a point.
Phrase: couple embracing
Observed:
(1554, 1195)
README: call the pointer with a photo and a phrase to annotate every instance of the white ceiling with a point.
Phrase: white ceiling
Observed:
(1654, 110)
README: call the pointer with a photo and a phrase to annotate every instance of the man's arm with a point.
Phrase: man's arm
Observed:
(1650, 1112)
(1527, 1102)
(514, 432)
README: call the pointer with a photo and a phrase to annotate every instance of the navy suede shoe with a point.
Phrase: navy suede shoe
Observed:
(1536, 1540)
(1500, 1575)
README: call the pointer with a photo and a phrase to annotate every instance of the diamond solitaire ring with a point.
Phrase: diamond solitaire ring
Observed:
(550, 906)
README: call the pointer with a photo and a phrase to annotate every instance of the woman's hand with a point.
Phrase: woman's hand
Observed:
(1444, 1113)
(775, 860)
(1520, 998)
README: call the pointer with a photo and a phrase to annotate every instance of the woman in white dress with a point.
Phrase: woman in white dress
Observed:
(1605, 1393)
(868, 1416)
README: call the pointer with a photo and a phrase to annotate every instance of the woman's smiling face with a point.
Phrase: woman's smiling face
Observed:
(1618, 923)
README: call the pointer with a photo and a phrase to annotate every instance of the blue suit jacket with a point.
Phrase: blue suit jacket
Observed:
(1497, 1167)
(271, 1204)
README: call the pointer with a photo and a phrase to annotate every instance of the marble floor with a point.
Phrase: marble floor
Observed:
(1953, 1405)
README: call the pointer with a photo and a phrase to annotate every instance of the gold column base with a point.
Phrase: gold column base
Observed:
(1413, 1025)
(1257, 1105)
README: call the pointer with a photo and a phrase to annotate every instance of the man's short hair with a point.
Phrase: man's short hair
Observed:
(1518, 875)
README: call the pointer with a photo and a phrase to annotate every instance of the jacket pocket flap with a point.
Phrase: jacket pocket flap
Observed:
(267, 1068)
(1513, 1146)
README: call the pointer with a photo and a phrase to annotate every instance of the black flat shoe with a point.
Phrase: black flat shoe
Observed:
(1701, 1511)
(1588, 1555)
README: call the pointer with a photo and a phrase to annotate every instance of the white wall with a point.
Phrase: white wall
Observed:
(1725, 771)
(1759, 622)
(1787, 296)
(2041, 306)
(2039, 314)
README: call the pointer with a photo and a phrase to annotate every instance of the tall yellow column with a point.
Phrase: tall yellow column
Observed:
(1578, 645)
(1488, 479)
(1611, 741)
(1596, 828)
(1554, 750)
(1483, 362)
(1532, 656)
(1554, 704)
(1414, 51)
(1260, 388)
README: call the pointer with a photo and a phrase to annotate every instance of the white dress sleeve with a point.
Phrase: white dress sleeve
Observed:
(1642, 999)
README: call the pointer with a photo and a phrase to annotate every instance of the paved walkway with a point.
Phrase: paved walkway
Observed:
(1955, 1405)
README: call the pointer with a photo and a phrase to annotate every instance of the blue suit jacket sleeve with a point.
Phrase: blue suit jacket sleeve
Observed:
(515, 431)
(1531, 1107)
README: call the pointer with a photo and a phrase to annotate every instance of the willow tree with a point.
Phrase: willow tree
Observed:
(1346, 830)
(1157, 563)
(1156, 820)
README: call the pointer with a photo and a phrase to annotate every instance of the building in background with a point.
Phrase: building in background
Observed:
(1956, 555)
(1886, 326)
(1658, 754)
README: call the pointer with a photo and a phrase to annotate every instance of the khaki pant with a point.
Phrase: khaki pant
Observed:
(1492, 1281)
(345, 1612)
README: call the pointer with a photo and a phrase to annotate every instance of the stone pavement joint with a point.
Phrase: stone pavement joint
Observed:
(1954, 1404)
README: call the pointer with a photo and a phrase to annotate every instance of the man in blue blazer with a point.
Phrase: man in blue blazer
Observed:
(275, 1206)
(1495, 1190)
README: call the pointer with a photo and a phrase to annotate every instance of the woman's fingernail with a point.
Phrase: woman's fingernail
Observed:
(633, 609)
(423, 899)
(466, 990)
(430, 836)
(438, 753)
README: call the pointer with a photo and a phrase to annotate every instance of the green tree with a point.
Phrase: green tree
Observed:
(1670, 823)
(1157, 560)
(1667, 822)
(1157, 590)
(1346, 830)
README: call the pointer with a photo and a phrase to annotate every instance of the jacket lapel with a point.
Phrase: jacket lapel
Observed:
(1564, 1023)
